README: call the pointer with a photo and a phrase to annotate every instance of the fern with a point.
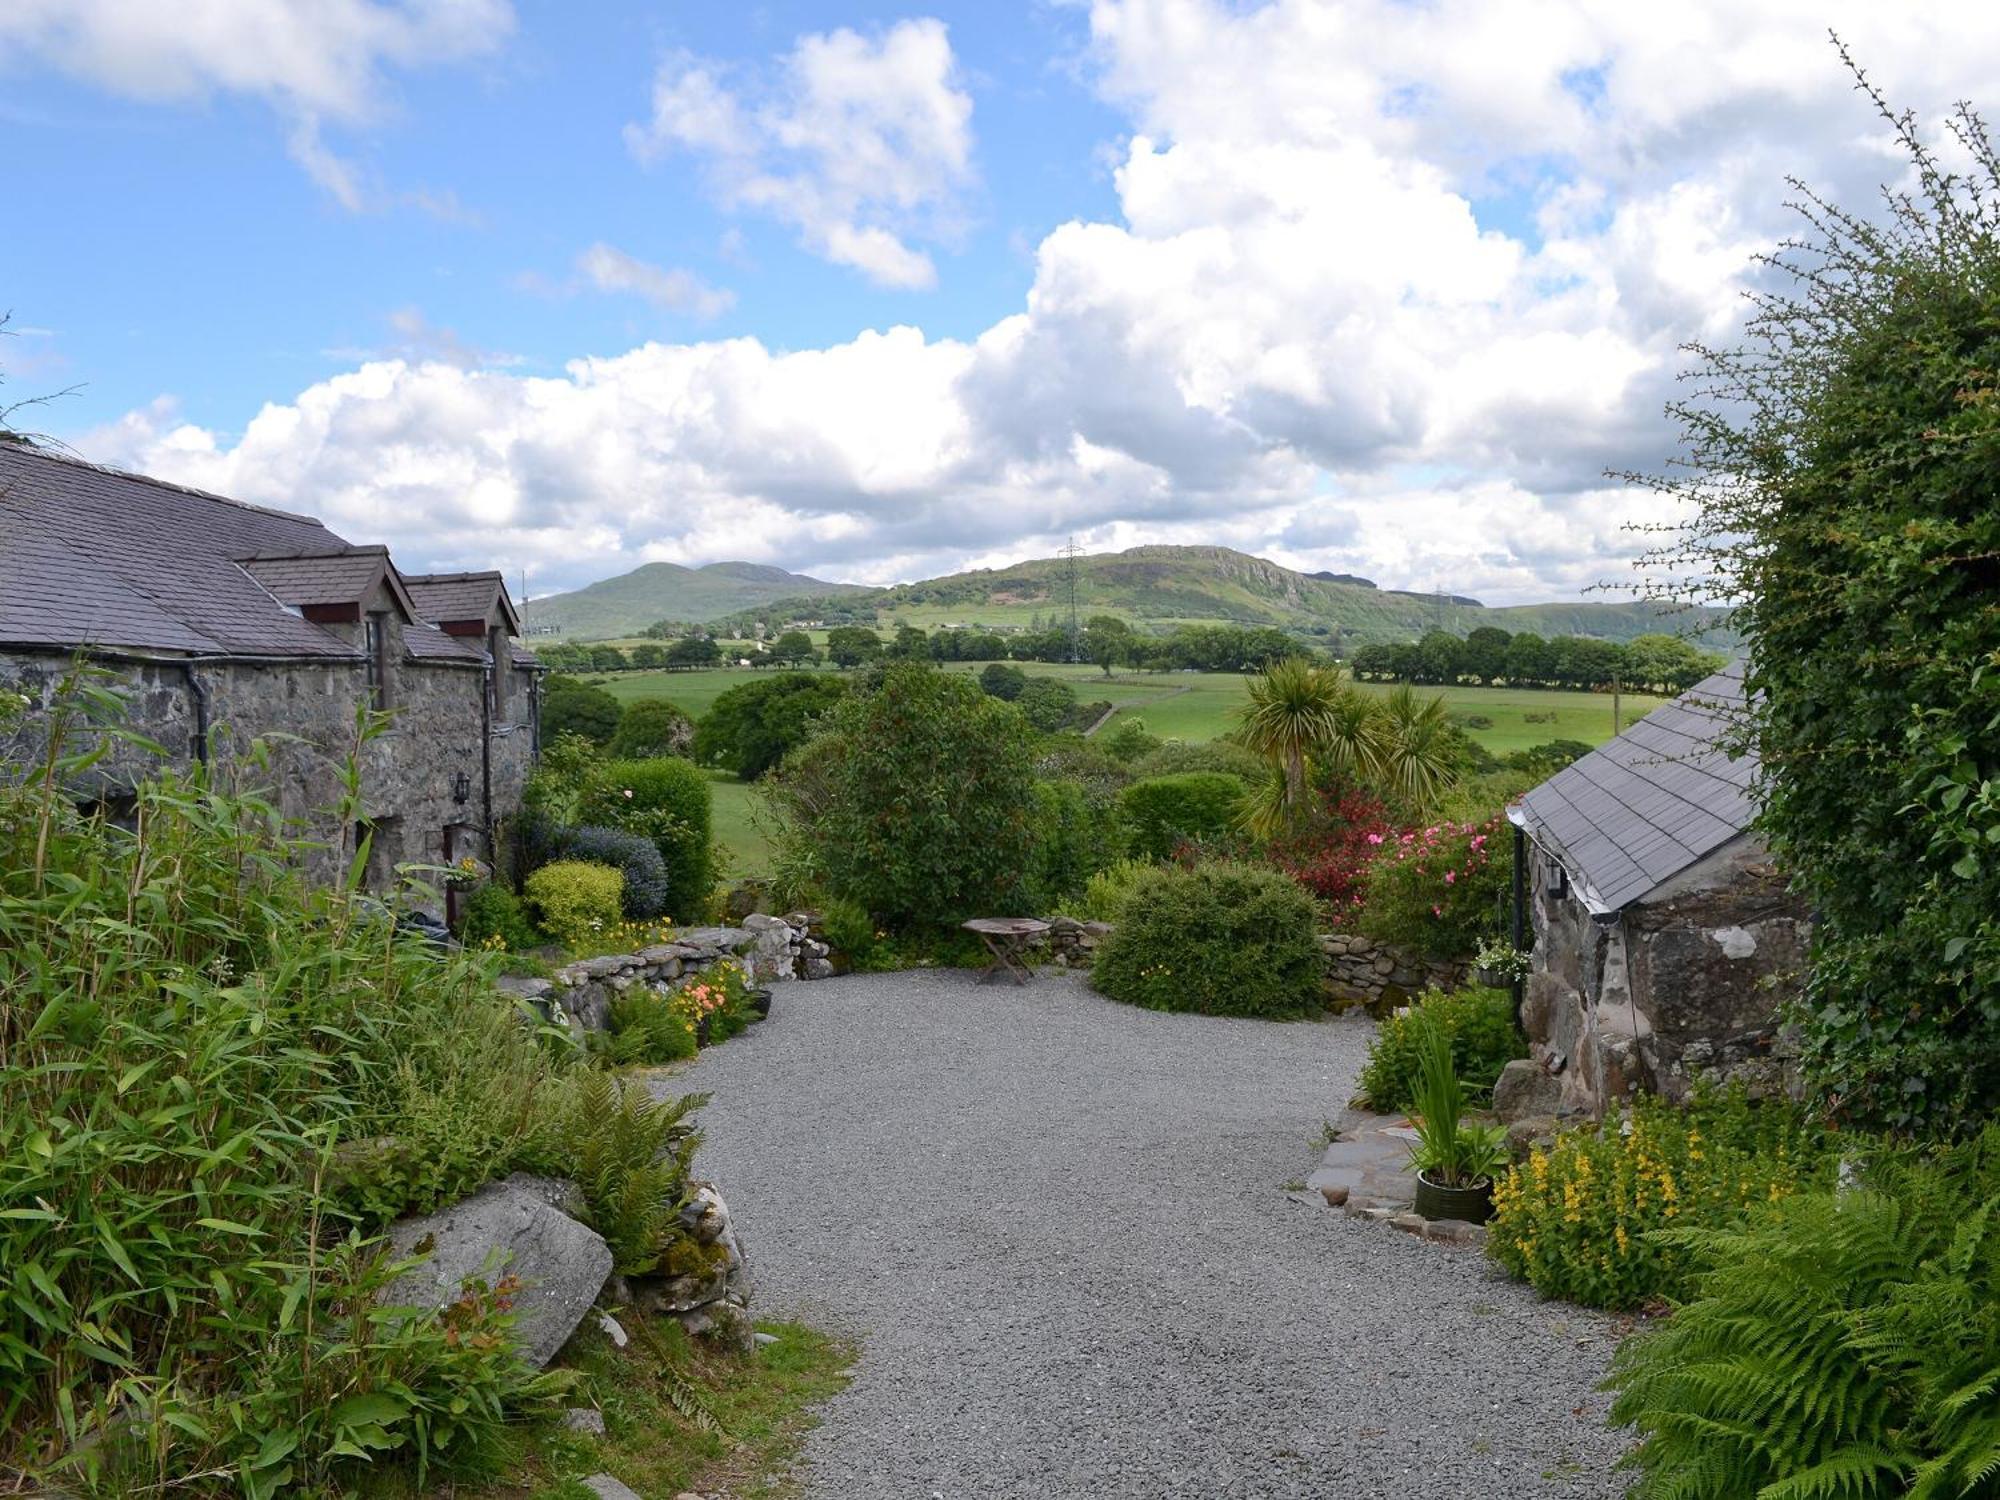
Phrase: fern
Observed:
(1839, 1348)
(631, 1155)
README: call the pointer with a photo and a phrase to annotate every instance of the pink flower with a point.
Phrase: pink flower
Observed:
(1450, 876)
(1374, 838)
(1437, 911)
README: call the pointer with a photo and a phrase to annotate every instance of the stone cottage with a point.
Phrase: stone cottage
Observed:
(220, 623)
(1665, 941)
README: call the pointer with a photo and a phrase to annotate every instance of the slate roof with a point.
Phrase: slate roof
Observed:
(338, 577)
(93, 556)
(1637, 811)
(461, 596)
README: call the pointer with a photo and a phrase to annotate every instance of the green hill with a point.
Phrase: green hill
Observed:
(627, 604)
(1156, 587)
(1170, 585)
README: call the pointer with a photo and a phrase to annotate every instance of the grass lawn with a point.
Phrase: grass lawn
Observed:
(1175, 705)
(677, 1417)
(749, 853)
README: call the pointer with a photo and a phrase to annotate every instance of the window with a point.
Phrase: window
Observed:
(377, 644)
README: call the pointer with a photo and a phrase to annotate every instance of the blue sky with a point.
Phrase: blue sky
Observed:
(192, 255)
(1366, 285)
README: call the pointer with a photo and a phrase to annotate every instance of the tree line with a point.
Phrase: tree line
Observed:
(1648, 663)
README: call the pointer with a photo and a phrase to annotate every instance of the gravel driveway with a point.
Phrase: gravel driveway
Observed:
(1060, 1231)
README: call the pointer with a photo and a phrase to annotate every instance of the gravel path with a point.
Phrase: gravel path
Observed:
(1059, 1228)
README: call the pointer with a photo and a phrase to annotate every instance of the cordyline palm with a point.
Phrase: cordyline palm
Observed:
(1299, 713)
(1414, 753)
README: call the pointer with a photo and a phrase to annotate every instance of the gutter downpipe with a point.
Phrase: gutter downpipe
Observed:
(486, 755)
(198, 694)
(1518, 927)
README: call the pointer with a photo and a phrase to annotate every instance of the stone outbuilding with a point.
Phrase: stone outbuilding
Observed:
(1665, 940)
(221, 623)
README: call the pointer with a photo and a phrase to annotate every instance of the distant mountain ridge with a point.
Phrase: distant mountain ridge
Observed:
(628, 603)
(1155, 585)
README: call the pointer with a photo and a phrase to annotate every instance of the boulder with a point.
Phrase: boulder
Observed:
(1530, 1132)
(517, 1227)
(1525, 1088)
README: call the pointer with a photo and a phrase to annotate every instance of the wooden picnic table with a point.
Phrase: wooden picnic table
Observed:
(1007, 940)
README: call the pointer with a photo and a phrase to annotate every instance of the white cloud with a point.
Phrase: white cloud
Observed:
(1390, 287)
(861, 145)
(314, 61)
(610, 269)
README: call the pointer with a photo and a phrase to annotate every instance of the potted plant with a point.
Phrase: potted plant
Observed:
(1499, 963)
(1455, 1160)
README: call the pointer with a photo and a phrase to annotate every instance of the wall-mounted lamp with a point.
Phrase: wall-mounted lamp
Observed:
(461, 788)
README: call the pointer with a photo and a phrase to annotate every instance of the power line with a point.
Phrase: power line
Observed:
(1069, 554)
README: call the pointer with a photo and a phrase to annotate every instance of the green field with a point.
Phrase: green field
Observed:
(1174, 705)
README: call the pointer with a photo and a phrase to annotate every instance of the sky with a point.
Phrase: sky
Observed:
(1385, 287)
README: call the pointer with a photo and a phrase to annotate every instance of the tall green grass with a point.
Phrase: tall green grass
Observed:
(216, 1080)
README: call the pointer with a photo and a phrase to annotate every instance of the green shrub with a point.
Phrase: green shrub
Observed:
(1440, 890)
(999, 680)
(1178, 757)
(1106, 892)
(1076, 835)
(1129, 740)
(1048, 703)
(1480, 1026)
(1837, 1345)
(925, 812)
(573, 706)
(495, 919)
(671, 804)
(650, 728)
(646, 1029)
(574, 902)
(1161, 812)
(646, 892)
(1222, 939)
(849, 930)
(1575, 1222)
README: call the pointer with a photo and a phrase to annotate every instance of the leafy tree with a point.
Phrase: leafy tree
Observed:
(752, 727)
(607, 659)
(925, 812)
(650, 727)
(1107, 641)
(571, 706)
(1047, 702)
(852, 645)
(1527, 660)
(794, 648)
(649, 656)
(1437, 657)
(1666, 664)
(694, 651)
(1129, 739)
(1841, 470)
(910, 644)
(1484, 654)
(1002, 681)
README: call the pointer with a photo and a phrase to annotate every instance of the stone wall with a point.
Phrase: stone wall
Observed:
(1381, 976)
(1683, 986)
(306, 713)
(772, 950)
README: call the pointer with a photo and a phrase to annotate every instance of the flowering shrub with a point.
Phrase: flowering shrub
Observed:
(1441, 889)
(1330, 856)
(1574, 1221)
(721, 997)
